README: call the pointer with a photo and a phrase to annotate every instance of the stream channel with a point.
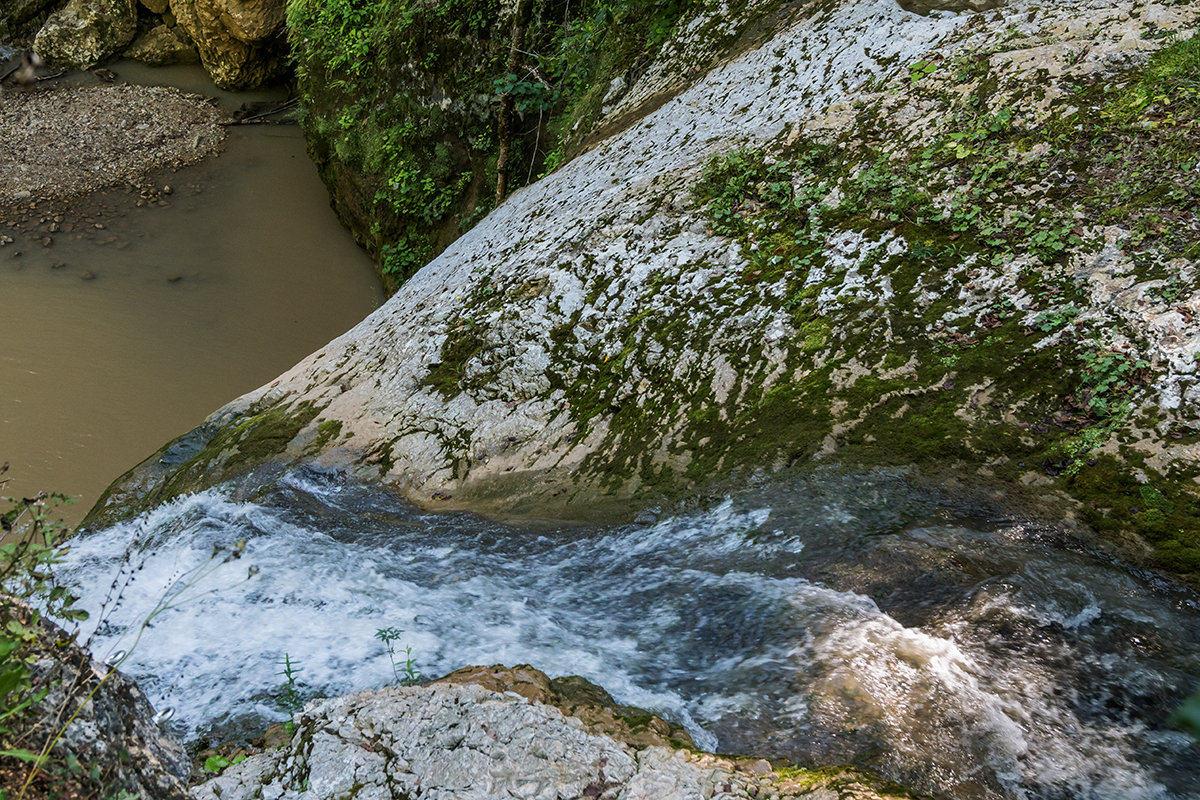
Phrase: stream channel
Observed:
(824, 618)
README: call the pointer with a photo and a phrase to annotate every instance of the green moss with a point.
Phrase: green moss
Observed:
(401, 99)
(213, 453)
(1124, 494)
(796, 778)
(988, 391)
(327, 431)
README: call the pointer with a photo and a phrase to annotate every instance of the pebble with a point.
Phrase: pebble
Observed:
(88, 276)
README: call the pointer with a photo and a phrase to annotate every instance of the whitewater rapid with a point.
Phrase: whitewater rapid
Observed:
(820, 623)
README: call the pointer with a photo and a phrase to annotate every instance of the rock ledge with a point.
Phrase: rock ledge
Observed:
(455, 740)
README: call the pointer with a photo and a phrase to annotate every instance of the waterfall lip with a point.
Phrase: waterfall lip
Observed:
(714, 619)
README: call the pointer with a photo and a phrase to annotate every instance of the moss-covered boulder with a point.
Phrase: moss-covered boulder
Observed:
(963, 241)
(84, 33)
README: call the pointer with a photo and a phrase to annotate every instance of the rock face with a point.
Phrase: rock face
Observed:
(461, 741)
(111, 731)
(875, 238)
(162, 45)
(240, 42)
(85, 32)
(20, 18)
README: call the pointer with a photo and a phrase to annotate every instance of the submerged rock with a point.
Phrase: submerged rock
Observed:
(456, 740)
(86, 32)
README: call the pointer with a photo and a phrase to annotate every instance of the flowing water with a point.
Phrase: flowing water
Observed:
(115, 339)
(827, 619)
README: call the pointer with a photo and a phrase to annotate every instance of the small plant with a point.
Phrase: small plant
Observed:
(1108, 377)
(217, 764)
(921, 70)
(31, 727)
(1052, 320)
(291, 698)
(30, 544)
(411, 675)
(1167, 292)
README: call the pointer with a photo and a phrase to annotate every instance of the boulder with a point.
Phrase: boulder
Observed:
(157, 6)
(162, 45)
(110, 727)
(19, 18)
(456, 740)
(86, 32)
(241, 44)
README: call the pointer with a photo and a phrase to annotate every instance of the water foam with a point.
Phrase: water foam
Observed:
(705, 618)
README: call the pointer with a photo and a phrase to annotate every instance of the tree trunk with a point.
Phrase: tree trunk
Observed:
(504, 125)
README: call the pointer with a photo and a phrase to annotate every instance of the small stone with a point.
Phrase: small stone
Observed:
(88, 276)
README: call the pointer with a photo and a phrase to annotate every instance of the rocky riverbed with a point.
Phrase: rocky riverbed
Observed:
(65, 141)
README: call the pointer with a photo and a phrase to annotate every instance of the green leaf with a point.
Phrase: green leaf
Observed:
(10, 680)
(21, 755)
(215, 764)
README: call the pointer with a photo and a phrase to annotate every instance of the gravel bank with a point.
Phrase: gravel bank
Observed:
(67, 141)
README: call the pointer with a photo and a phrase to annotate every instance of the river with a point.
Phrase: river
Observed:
(826, 619)
(241, 272)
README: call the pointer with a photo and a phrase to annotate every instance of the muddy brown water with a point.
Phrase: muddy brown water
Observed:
(115, 339)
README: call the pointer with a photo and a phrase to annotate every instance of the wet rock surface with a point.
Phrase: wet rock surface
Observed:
(241, 42)
(455, 740)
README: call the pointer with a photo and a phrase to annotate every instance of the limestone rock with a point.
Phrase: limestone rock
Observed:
(112, 730)
(240, 41)
(596, 339)
(456, 741)
(157, 6)
(162, 45)
(86, 32)
(576, 697)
